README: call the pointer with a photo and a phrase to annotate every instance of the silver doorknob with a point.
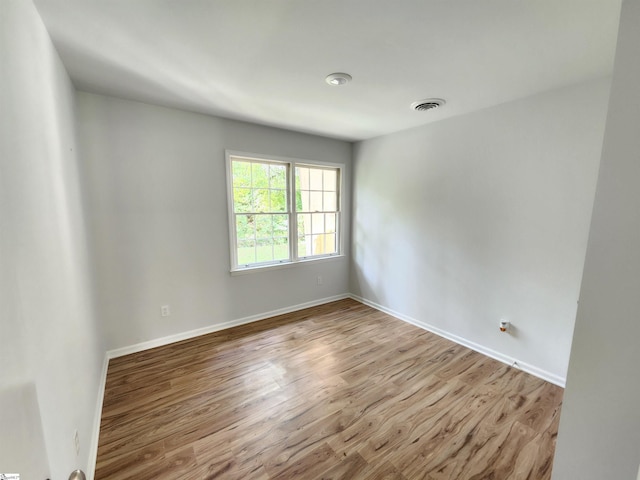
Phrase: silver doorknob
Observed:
(77, 475)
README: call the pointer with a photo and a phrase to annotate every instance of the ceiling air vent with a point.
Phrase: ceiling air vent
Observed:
(428, 104)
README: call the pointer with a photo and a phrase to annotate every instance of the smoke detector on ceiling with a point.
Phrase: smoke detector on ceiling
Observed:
(428, 104)
(338, 79)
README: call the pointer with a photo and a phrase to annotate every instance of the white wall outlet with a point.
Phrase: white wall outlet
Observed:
(319, 279)
(76, 442)
(165, 311)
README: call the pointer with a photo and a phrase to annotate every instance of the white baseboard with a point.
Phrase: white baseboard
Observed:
(93, 452)
(526, 367)
(159, 342)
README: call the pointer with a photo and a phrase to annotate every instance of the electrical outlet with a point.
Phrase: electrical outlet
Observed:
(319, 279)
(165, 311)
(76, 442)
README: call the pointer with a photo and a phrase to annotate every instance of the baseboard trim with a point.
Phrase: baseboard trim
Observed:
(93, 452)
(526, 367)
(160, 342)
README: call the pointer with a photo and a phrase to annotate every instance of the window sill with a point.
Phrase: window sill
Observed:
(278, 266)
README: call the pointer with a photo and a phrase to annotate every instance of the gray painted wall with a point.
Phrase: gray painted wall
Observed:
(465, 221)
(156, 179)
(52, 350)
(600, 425)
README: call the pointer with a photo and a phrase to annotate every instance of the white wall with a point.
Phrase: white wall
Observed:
(463, 222)
(22, 448)
(158, 204)
(600, 425)
(53, 358)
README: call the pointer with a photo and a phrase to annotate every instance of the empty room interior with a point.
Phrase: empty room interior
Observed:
(248, 239)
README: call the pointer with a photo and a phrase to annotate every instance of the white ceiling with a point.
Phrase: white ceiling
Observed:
(265, 61)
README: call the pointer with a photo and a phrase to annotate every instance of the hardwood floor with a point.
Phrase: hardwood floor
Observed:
(340, 391)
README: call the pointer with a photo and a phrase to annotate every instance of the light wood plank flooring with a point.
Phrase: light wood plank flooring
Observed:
(340, 391)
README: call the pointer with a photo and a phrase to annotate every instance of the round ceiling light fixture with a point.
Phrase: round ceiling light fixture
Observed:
(428, 104)
(338, 79)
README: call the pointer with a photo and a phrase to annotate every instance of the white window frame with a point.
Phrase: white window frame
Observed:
(292, 213)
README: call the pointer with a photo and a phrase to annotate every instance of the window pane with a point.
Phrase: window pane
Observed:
(246, 252)
(315, 179)
(299, 207)
(317, 223)
(264, 226)
(304, 224)
(304, 245)
(315, 202)
(280, 248)
(241, 174)
(330, 222)
(324, 244)
(271, 241)
(242, 200)
(330, 202)
(304, 235)
(278, 201)
(302, 178)
(245, 226)
(260, 175)
(330, 183)
(304, 201)
(261, 200)
(278, 176)
(330, 243)
(264, 250)
(281, 226)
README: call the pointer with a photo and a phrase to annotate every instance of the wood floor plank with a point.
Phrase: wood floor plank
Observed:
(131, 461)
(338, 391)
(320, 459)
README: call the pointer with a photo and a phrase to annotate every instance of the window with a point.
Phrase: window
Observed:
(281, 210)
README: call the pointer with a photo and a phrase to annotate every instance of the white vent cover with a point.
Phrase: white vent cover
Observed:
(428, 104)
